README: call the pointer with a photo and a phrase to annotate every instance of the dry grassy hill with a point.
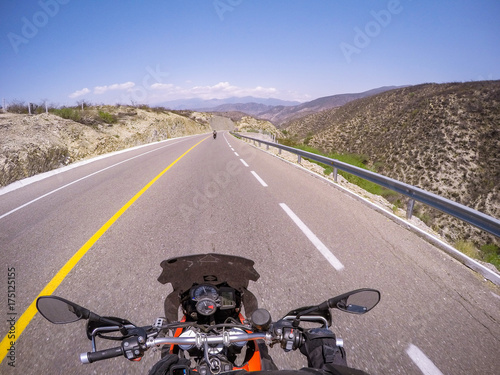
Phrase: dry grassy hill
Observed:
(32, 144)
(444, 138)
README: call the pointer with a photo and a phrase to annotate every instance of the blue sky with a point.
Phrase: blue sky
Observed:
(150, 51)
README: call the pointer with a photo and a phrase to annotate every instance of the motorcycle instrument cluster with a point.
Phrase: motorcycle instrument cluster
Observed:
(208, 298)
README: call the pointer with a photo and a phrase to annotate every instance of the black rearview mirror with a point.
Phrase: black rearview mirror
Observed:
(359, 301)
(57, 310)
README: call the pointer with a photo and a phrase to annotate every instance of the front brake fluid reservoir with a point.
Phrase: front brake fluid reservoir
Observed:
(187, 333)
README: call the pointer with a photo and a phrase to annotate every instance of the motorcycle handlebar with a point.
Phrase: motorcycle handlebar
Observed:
(99, 355)
(201, 339)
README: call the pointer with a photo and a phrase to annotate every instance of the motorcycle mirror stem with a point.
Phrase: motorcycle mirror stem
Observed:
(58, 310)
(358, 301)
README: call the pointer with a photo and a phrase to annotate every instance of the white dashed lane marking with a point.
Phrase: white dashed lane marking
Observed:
(420, 359)
(259, 179)
(315, 240)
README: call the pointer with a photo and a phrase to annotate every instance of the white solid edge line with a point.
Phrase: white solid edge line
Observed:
(420, 359)
(315, 240)
(81, 179)
(243, 161)
(259, 179)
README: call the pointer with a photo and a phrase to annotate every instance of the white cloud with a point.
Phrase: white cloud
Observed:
(159, 92)
(223, 90)
(79, 93)
(220, 90)
(117, 86)
(162, 86)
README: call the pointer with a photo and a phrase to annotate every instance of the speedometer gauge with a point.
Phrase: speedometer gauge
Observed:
(206, 306)
(205, 291)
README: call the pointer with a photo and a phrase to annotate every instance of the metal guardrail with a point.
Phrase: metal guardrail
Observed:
(464, 213)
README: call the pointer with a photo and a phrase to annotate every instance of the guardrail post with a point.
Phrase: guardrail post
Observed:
(267, 147)
(299, 159)
(335, 171)
(279, 151)
(409, 208)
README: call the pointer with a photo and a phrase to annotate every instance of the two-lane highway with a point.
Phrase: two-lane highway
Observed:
(310, 242)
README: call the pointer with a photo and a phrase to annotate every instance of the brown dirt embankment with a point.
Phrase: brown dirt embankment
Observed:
(32, 144)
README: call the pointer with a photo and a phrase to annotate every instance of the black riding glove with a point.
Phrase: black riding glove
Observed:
(163, 366)
(321, 348)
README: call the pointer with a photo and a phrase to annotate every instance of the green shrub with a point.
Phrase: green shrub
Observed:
(287, 142)
(491, 254)
(17, 107)
(107, 117)
(467, 248)
(68, 113)
(396, 206)
(425, 217)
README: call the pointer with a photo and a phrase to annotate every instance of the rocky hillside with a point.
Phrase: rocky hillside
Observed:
(279, 114)
(444, 138)
(248, 123)
(39, 143)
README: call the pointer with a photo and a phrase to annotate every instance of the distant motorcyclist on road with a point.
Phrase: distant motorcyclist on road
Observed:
(215, 134)
(324, 357)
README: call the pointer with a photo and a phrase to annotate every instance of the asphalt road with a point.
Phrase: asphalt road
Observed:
(436, 316)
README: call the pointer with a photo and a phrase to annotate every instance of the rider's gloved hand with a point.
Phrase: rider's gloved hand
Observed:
(162, 367)
(321, 348)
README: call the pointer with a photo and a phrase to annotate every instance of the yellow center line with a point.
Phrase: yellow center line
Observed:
(30, 312)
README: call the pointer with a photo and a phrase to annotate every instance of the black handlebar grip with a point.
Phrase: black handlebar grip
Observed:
(90, 357)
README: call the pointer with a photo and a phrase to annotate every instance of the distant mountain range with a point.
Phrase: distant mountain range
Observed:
(279, 115)
(275, 110)
(202, 105)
